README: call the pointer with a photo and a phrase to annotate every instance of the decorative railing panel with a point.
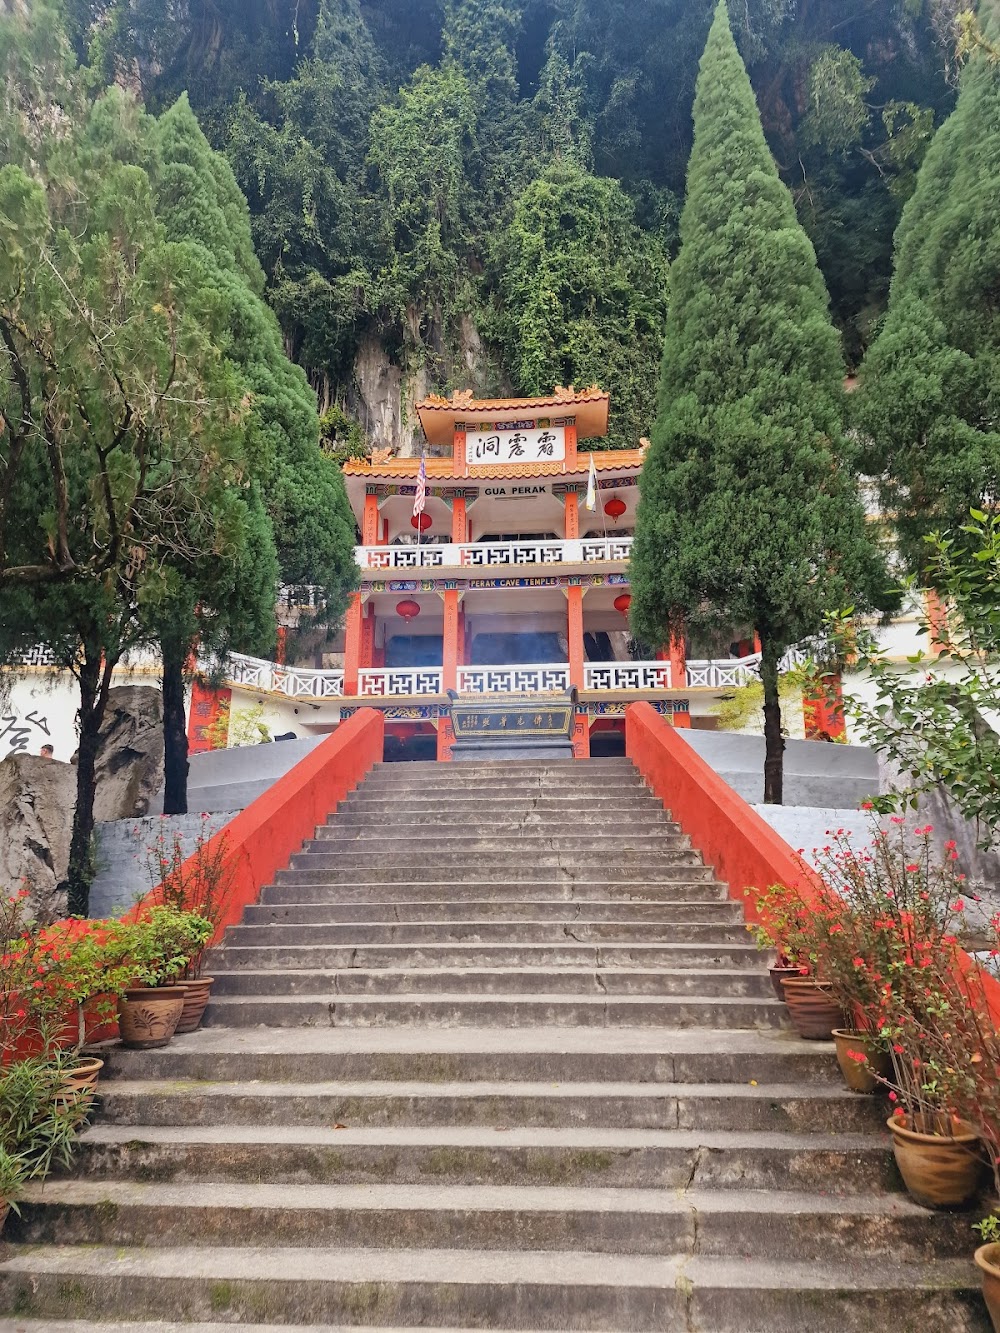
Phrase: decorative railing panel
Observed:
(491, 555)
(606, 548)
(627, 676)
(296, 682)
(388, 682)
(536, 679)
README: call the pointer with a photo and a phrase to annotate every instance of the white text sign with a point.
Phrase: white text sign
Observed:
(485, 448)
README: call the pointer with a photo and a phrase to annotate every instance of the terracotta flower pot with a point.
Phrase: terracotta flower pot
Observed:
(79, 1085)
(811, 1007)
(988, 1262)
(939, 1170)
(778, 974)
(148, 1018)
(196, 995)
(859, 1075)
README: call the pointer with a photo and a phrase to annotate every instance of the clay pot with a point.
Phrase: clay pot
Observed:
(988, 1262)
(939, 1170)
(196, 995)
(860, 1077)
(79, 1085)
(811, 1007)
(148, 1018)
(778, 974)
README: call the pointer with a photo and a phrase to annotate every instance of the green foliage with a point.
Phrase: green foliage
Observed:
(928, 400)
(158, 948)
(584, 295)
(748, 514)
(933, 721)
(38, 1125)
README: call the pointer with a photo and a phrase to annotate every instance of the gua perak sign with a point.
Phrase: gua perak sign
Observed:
(512, 444)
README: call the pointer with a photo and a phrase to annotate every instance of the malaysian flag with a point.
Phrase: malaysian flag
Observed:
(420, 499)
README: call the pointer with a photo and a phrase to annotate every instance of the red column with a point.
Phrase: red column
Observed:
(823, 709)
(445, 740)
(370, 523)
(574, 634)
(367, 658)
(937, 622)
(572, 517)
(352, 645)
(678, 663)
(581, 735)
(571, 446)
(459, 522)
(451, 643)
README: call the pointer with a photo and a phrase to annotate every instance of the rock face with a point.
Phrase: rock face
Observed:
(130, 763)
(36, 806)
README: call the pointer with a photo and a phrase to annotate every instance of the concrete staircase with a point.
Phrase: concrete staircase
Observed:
(494, 1052)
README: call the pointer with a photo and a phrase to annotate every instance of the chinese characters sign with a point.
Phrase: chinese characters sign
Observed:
(537, 445)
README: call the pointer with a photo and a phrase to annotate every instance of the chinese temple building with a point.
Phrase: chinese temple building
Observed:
(505, 582)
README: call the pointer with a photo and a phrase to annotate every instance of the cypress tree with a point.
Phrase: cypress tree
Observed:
(929, 401)
(747, 514)
(297, 507)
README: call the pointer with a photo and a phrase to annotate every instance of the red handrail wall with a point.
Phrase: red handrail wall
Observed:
(263, 837)
(742, 848)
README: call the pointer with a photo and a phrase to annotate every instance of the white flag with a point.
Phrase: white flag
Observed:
(591, 503)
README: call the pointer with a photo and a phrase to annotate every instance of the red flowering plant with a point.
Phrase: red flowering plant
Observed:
(48, 975)
(199, 881)
(779, 913)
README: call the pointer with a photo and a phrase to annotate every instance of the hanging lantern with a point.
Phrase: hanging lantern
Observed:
(421, 521)
(408, 609)
(623, 603)
(615, 508)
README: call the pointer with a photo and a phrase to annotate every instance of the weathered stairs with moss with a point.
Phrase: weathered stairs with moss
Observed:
(494, 1052)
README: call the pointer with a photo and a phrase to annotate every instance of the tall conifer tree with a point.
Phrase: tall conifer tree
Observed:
(929, 402)
(748, 514)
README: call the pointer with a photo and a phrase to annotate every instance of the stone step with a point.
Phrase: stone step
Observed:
(600, 764)
(793, 1226)
(857, 1164)
(425, 867)
(578, 809)
(491, 817)
(458, 1008)
(304, 886)
(624, 956)
(566, 914)
(664, 931)
(306, 912)
(396, 838)
(492, 1289)
(556, 786)
(497, 1055)
(512, 981)
(710, 1106)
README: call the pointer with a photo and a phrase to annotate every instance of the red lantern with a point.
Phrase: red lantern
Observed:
(408, 609)
(615, 508)
(623, 603)
(421, 521)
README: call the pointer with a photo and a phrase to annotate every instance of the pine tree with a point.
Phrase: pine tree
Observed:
(304, 515)
(929, 401)
(747, 513)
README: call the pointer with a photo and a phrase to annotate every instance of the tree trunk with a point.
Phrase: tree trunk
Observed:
(774, 742)
(95, 681)
(175, 743)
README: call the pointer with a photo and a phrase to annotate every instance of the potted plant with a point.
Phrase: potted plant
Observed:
(775, 929)
(782, 923)
(153, 951)
(988, 1262)
(38, 1127)
(202, 882)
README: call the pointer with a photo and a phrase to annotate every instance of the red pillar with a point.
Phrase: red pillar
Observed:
(572, 517)
(352, 645)
(574, 634)
(370, 523)
(823, 709)
(937, 622)
(459, 521)
(451, 644)
(367, 658)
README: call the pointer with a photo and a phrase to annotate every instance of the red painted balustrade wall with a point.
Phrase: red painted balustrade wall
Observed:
(742, 848)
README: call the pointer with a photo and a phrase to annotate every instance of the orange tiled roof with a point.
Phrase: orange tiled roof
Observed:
(438, 415)
(443, 469)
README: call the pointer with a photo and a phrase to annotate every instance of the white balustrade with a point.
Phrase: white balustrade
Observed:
(253, 672)
(386, 682)
(606, 548)
(298, 683)
(540, 678)
(493, 555)
(627, 676)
